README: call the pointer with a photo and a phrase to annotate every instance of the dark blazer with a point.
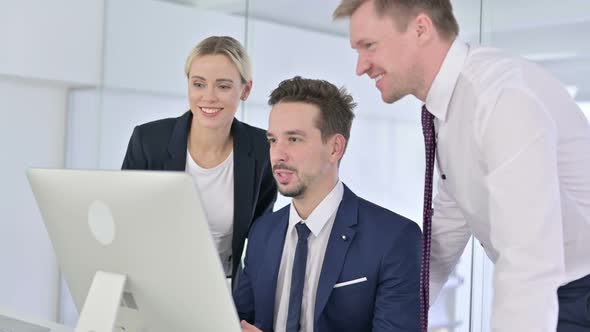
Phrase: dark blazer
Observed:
(162, 144)
(378, 245)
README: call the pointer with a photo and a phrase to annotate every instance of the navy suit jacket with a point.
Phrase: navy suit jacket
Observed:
(379, 245)
(161, 145)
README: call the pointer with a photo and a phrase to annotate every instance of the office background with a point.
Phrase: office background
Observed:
(77, 76)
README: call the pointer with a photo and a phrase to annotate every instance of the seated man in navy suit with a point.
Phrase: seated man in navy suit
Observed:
(329, 261)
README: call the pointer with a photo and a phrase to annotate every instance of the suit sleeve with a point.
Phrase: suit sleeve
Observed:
(135, 157)
(268, 192)
(397, 305)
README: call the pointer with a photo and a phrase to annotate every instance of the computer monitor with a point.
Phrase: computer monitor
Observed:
(143, 225)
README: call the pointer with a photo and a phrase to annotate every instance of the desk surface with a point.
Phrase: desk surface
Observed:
(11, 321)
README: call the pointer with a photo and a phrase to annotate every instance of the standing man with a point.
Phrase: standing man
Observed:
(330, 261)
(513, 153)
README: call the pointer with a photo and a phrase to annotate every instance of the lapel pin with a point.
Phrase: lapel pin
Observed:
(344, 237)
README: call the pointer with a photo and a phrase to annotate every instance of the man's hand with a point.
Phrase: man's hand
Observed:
(247, 327)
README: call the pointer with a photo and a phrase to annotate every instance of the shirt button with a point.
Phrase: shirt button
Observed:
(444, 177)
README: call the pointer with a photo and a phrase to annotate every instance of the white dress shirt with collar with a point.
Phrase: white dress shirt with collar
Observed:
(513, 154)
(320, 222)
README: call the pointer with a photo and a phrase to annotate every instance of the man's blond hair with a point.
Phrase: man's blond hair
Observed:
(439, 11)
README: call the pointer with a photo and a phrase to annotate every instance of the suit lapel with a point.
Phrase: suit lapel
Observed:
(178, 143)
(341, 237)
(270, 267)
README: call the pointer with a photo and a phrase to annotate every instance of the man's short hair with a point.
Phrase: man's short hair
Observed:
(336, 105)
(439, 11)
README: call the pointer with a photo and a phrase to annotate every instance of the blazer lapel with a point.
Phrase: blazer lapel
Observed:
(244, 177)
(270, 270)
(244, 166)
(178, 143)
(341, 237)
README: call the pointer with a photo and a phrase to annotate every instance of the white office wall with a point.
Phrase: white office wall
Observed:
(147, 42)
(56, 40)
(279, 52)
(101, 122)
(31, 134)
(46, 48)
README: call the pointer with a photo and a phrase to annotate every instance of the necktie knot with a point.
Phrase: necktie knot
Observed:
(302, 231)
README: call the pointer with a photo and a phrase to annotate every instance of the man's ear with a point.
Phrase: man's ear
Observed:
(338, 146)
(423, 27)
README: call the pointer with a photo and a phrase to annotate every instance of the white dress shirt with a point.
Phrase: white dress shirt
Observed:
(320, 222)
(216, 188)
(513, 155)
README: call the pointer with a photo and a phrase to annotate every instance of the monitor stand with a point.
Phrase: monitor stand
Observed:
(101, 307)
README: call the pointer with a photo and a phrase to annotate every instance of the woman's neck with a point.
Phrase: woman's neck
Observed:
(209, 147)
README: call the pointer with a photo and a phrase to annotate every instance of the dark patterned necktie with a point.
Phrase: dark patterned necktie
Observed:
(430, 145)
(297, 278)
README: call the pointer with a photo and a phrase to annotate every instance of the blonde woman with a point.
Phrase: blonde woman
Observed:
(228, 159)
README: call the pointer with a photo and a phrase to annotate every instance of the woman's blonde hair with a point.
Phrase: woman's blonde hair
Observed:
(223, 45)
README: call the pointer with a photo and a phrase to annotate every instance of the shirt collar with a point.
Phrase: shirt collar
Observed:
(441, 91)
(322, 213)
